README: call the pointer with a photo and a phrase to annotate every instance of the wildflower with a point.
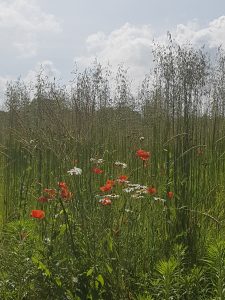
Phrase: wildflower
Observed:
(122, 178)
(105, 201)
(142, 191)
(152, 190)
(106, 187)
(50, 192)
(38, 214)
(144, 155)
(159, 199)
(111, 196)
(120, 164)
(111, 182)
(43, 199)
(62, 185)
(137, 186)
(137, 196)
(129, 190)
(65, 194)
(97, 171)
(127, 210)
(141, 138)
(97, 161)
(75, 171)
(114, 196)
(170, 195)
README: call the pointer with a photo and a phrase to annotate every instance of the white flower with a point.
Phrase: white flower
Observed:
(159, 199)
(128, 190)
(75, 171)
(97, 161)
(128, 210)
(137, 186)
(114, 196)
(120, 164)
(122, 181)
(142, 191)
(136, 196)
(134, 185)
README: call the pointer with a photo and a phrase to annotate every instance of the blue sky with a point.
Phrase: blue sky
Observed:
(55, 33)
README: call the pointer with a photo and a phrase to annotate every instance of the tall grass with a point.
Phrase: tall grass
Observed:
(135, 248)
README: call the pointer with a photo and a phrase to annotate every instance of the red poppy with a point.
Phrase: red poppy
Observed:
(62, 185)
(122, 178)
(106, 187)
(50, 192)
(97, 171)
(144, 155)
(152, 190)
(65, 194)
(110, 182)
(42, 199)
(38, 214)
(105, 201)
(170, 195)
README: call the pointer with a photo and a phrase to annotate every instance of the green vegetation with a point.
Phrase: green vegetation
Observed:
(163, 240)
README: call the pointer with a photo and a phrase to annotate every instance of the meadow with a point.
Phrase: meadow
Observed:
(107, 195)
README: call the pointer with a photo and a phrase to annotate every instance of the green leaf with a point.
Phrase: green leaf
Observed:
(100, 279)
(58, 281)
(63, 228)
(90, 271)
(109, 268)
(41, 266)
(110, 243)
(96, 284)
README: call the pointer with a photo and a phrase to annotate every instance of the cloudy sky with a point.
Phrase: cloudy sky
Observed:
(56, 34)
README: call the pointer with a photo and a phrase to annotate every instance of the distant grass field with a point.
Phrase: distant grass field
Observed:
(140, 214)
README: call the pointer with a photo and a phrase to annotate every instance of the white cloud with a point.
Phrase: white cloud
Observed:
(23, 24)
(211, 35)
(128, 45)
(132, 45)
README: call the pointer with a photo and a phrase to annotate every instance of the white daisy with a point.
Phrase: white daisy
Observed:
(97, 161)
(75, 171)
(120, 164)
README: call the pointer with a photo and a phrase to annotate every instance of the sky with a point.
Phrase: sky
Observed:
(58, 34)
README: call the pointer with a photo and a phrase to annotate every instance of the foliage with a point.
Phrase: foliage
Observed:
(126, 192)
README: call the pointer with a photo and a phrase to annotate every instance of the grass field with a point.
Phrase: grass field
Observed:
(141, 213)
